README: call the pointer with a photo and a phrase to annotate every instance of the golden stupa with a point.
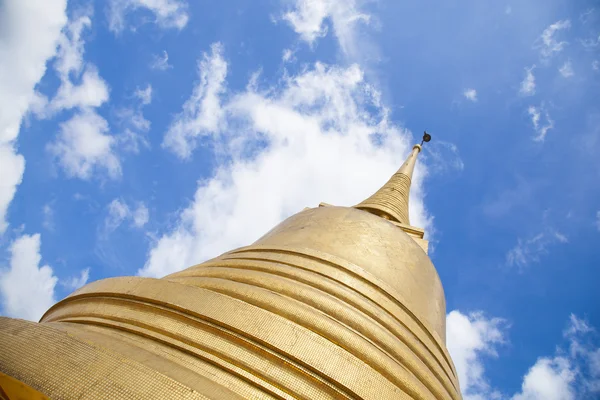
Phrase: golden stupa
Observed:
(332, 303)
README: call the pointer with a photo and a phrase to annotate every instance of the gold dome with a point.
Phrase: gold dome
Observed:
(361, 242)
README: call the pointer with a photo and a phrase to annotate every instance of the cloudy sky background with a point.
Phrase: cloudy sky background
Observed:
(141, 137)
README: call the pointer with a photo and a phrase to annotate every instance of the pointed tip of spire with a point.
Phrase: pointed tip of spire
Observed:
(391, 201)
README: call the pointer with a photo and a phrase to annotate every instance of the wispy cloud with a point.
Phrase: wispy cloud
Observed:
(587, 15)
(133, 123)
(76, 282)
(140, 216)
(161, 62)
(470, 94)
(547, 43)
(308, 19)
(144, 95)
(542, 123)
(119, 212)
(48, 216)
(530, 250)
(80, 83)
(443, 157)
(202, 113)
(167, 13)
(528, 84)
(288, 55)
(566, 70)
(591, 44)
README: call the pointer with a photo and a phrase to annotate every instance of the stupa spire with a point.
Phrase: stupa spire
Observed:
(391, 201)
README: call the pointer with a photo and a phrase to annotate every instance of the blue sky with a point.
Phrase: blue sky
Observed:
(141, 137)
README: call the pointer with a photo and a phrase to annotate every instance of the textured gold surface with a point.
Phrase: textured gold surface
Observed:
(391, 201)
(333, 303)
(12, 389)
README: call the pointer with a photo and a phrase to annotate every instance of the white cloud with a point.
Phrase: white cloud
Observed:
(534, 112)
(596, 65)
(29, 34)
(48, 216)
(167, 13)
(470, 94)
(587, 15)
(133, 137)
(577, 326)
(548, 379)
(76, 282)
(134, 124)
(202, 113)
(598, 220)
(547, 43)
(12, 166)
(530, 250)
(132, 141)
(288, 55)
(27, 288)
(541, 130)
(308, 19)
(119, 212)
(83, 146)
(568, 375)
(471, 338)
(161, 63)
(528, 84)
(71, 44)
(591, 44)
(573, 372)
(322, 135)
(91, 90)
(144, 95)
(566, 70)
(560, 237)
(140, 216)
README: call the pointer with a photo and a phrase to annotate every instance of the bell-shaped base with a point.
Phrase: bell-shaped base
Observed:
(332, 303)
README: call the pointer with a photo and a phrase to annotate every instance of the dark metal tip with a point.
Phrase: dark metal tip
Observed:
(426, 137)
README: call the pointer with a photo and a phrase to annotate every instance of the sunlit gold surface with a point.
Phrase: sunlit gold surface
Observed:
(334, 302)
(391, 201)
